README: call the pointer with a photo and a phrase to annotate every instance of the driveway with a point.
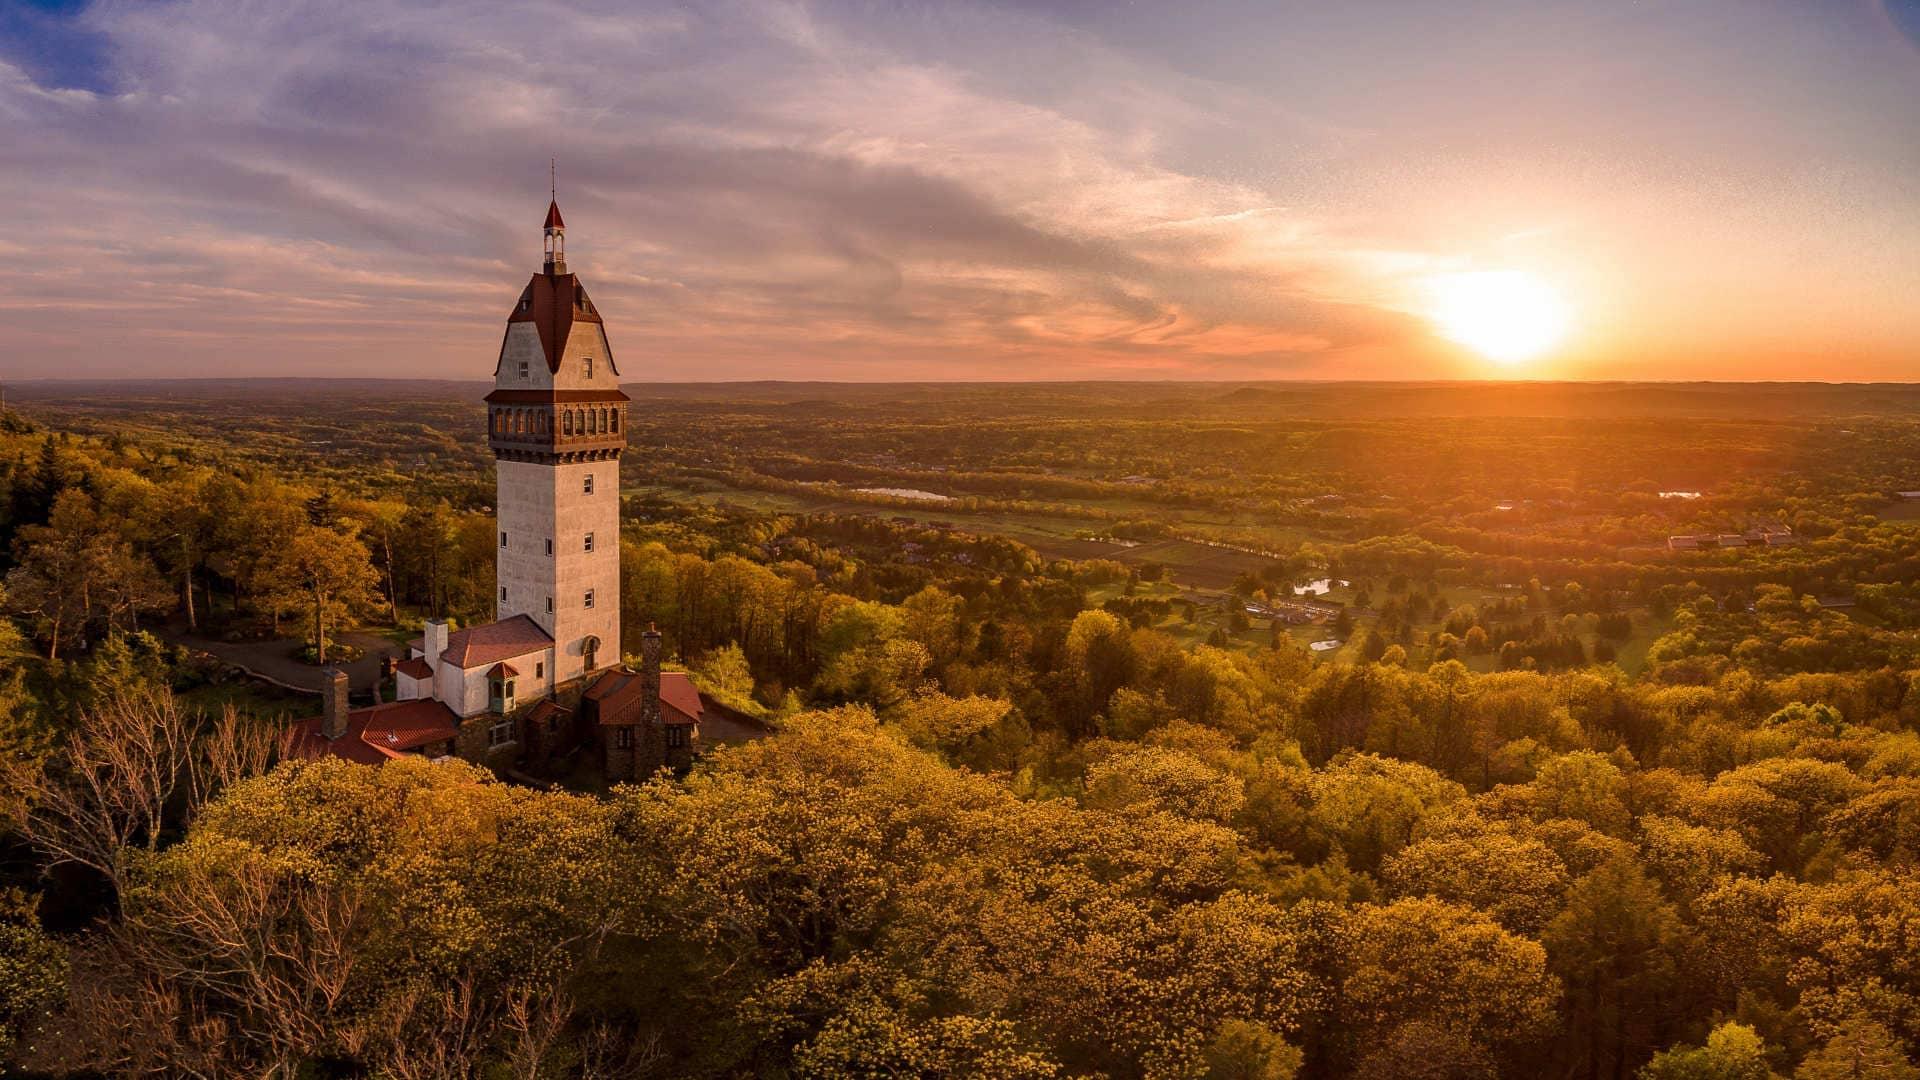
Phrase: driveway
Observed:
(274, 660)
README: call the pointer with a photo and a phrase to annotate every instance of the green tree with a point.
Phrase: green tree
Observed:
(1619, 948)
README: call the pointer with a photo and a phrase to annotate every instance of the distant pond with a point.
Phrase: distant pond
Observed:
(907, 493)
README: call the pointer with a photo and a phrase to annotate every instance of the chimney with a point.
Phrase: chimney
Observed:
(650, 678)
(333, 702)
(435, 642)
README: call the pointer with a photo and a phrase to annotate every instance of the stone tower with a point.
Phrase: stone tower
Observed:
(556, 421)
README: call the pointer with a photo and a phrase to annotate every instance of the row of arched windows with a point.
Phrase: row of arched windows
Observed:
(573, 420)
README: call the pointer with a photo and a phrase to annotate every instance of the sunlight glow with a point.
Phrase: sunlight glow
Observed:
(1508, 316)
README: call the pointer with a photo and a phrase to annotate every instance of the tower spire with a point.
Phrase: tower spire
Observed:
(556, 242)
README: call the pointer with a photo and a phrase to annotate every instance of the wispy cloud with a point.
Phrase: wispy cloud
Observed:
(756, 189)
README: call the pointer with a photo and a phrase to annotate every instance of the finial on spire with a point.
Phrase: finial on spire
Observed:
(556, 253)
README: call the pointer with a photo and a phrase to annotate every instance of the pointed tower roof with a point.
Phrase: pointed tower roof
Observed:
(553, 216)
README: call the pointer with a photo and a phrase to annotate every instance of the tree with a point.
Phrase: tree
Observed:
(327, 573)
(127, 763)
(1619, 947)
(407, 920)
(1427, 961)
(1732, 1052)
(1858, 1050)
(33, 973)
(75, 572)
(1519, 881)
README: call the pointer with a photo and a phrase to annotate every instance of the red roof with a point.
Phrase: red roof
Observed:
(502, 670)
(480, 646)
(618, 691)
(376, 734)
(553, 216)
(553, 303)
(414, 667)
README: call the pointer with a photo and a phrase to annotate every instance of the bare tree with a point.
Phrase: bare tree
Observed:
(127, 762)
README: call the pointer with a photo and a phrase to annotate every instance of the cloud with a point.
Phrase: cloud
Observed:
(754, 190)
(760, 188)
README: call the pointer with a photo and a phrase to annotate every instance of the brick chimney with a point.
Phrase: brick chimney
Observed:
(333, 702)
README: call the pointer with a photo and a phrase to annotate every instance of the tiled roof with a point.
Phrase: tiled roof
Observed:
(376, 734)
(415, 668)
(618, 691)
(502, 670)
(553, 303)
(480, 646)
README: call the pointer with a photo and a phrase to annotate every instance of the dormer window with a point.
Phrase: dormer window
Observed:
(523, 371)
(586, 366)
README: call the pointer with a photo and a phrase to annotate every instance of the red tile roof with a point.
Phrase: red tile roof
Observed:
(415, 668)
(553, 216)
(553, 303)
(376, 734)
(481, 646)
(618, 691)
(502, 670)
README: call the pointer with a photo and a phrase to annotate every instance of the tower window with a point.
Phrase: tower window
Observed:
(549, 605)
(540, 666)
(589, 599)
(586, 485)
(589, 544)
(613, 420)
(549, 547)
(503, 594)
(503, 538)
(523, 370)
(586, 366)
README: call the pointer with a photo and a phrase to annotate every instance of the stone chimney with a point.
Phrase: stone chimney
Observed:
(435, 642)
(333, 702)
(650, 678)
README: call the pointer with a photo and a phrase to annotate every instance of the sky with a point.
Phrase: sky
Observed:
(1248, 189)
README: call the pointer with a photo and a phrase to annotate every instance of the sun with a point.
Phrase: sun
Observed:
(1507, 316)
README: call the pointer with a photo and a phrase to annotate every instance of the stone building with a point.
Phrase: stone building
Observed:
(499, 693)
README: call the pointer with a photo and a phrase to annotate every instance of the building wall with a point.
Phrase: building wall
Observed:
(408, 688)
(466, 691)
(522, 343)
(537, 502)
(587, 339)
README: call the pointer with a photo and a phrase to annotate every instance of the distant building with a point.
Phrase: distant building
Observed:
(494, 693)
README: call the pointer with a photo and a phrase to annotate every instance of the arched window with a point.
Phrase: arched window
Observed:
(566, 422)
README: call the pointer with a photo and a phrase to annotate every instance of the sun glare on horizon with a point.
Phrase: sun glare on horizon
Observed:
(1507, 316)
